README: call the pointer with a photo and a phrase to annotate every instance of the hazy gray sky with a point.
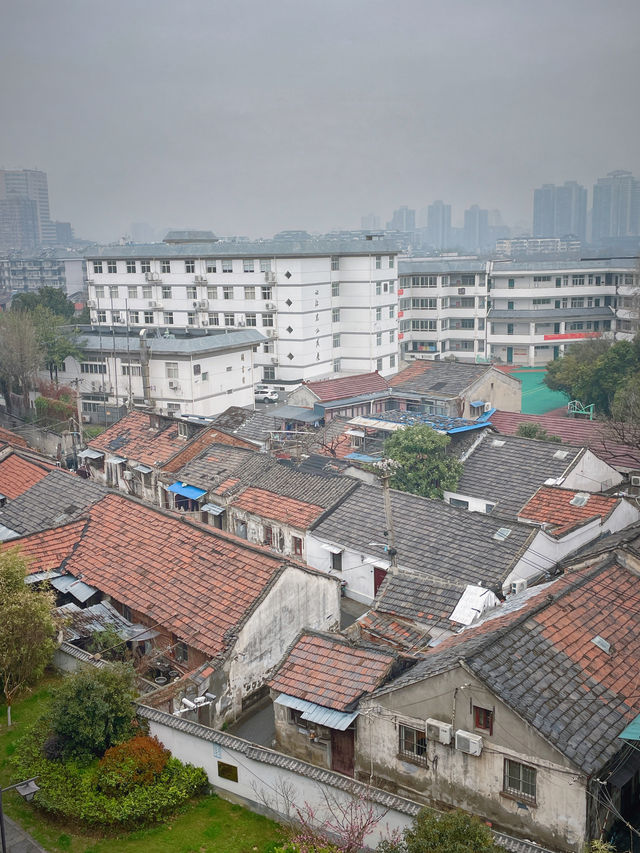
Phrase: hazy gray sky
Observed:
(249, 117)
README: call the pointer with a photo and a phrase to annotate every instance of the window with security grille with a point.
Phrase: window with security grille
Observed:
(519, 780)
(412, 744)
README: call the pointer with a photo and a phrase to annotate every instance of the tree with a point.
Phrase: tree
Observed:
(52, 299)
(27, 628)
(57, 341)
(21, 354)
(451, 832)
(92, 710)
(423, 465)
(624, 424)
(529, 429)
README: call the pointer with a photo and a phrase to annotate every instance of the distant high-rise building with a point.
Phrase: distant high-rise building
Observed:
(18, 223)
(31, 184)
(616, 207)
(476, 228)
(403, 219)
(64, 233)
(439, 224)
(560, 210)
(370, 222)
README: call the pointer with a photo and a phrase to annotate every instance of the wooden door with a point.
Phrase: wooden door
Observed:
(342, 751)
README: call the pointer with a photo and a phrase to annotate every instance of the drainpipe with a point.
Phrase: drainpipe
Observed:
(144, 369)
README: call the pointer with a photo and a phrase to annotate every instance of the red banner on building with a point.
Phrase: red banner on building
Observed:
(573, 336)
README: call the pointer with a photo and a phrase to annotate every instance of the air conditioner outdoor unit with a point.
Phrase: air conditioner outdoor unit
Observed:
(270, 305)
(241, 323)
(518, 586)
(202, 279)
(274, 361)
(635, 479)
(91, 303)
(155, 305)
(487, 407)
(439, 731)
(173, 384)
(149, 276)
(461, 291)
(205, 322)
(468, 742)
(270, 332)
(127, 475)
(86, 419)
(203, 303)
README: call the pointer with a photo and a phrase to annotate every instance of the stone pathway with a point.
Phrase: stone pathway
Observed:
(18, 841)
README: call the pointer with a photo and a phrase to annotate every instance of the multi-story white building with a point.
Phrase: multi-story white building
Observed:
(323, 306)
(516, 312)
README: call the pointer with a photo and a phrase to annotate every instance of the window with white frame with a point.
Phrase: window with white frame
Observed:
(519, 780)
(265, 265)
(229, 319)
(336, 341)
(378, 339)
(251, 319)
(378, 262)
(213, 319)
(266, 292)
(227, 265)
(145, 266)
(191, 318)
(335, 315)
(101, 317)
(212, 266)
(113, 291)
(132, 292)
(379, 364)
(171, 369)
(131, 266)
(99, 291)
(192, 292)
(166, 291)
(227, 292)
(248, 265)
(97, 266)
(166, 266)
(147, 291)
(212, 292)
(134, 318)
(335, 263)
(148, 318)
(190, 266)
(112, 267)
(335, 288)
(249, 293)
(167, 318)
(267, 320)
(336, 365)
(379, 313)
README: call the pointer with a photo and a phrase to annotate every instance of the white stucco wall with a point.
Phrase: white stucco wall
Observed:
(592, 474)
(358, 574)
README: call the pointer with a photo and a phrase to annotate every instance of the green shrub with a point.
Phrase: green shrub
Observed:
(138, 761)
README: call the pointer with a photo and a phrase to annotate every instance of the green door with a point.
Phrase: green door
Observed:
(509, 355)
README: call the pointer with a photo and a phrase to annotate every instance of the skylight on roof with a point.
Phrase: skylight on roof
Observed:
(561, 454)
(497, 443)
(502, 533)
(579, 499)
(601, 643)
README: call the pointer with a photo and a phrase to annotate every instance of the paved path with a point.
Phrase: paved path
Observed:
(17, 839)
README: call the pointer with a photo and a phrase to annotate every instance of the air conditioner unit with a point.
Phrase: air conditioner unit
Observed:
(241, 323)
(205, 322)
(270, 305)
(149, 276)
(461, 291)
(203, 303)
(155, 305)
(202, 279)
(439, 731)
(487, 407)
(173, 384)
(635, 479)
(518, 586)
(274, 361)
(156, 276)
(270, 332)
(86, 419)
(468, 742)
(127, 475)
(91, 303)
(195, 305)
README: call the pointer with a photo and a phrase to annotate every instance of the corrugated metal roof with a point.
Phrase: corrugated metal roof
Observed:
(77, 588)
(317, 713)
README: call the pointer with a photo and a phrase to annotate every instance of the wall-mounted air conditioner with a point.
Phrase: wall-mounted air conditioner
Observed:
(487, 407)
(203, 303)
(439, 731)
(518, 585)
(270, 305)
(468, 742)
(91, 303)
(635, 479)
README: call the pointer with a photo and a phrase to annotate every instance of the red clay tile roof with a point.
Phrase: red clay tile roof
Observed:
(329, 671)
(575, 431)
(18, 474)
(551, 505)
(200, 442)
(418, 367)
(347, 386)
(12, 438)
(278, 508)
(225, 485)
(46, 551)
(198, 583)
(379, 628)
(133, 438)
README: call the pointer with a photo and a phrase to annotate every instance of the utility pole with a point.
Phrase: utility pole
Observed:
(386, 468)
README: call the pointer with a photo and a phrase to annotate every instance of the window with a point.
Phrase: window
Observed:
(336, 562)
(509, 328)
(392, 336)
(392, 287)
(113, 292)
(265, 292)
(189, 266)
(212, 293)
(378, 262)
(379, 364)
(336, 340)
(166, 266)
(191, 318)
(510, 305)
(148, 317)
(247, 266)
(192, 292)
(249, 293)
(267, 535)
(180, 650)
(205, 376)
(335, 288)
(335, 263)
(379, 313)
(171, 369)
(145, 266)
(519, 780)
(167, 318)
(267, 320)
(227, 266)
(97, 266)
(147, 291)
(297, 545)
(251, 319)
(336, 365)
(213, 319)
(101, 317)
(227, 292)
(112, 267)
(166, 292)
(132, 292)
(227, 771)
(392, 311)
(540, 278)
(265, 265)
(577, 302)
(512, 282)
(335, 315)
(413, 744)
(378, 288)
(483, 717)
(134, 317)
(391, 262)
(211, 266)
(229, 319)
(131, 370)
(268, 374)
(424, 325)
(392, 360)
(131, 266)
(459, 503)
(99, 291)
(93, 367)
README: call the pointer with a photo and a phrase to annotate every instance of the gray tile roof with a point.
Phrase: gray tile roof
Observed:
(254, 425)
(434, 540)
(509, 474)
(419, 599)
(56, 499)
(442, 379)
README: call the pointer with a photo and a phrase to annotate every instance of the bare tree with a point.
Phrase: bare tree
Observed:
(21, 354)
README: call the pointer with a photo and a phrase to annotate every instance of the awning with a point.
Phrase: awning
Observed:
(632, 731)
(362, 457)
(313, 713)
(477, 403)
(77, 588)
(117, 460)
(143, 469)
(187, 491)
(359, 433)
(7, 533)
(91, 454)
(626, 770)
(214, 509)
(333, 549)
(295, 413)
(36, 577)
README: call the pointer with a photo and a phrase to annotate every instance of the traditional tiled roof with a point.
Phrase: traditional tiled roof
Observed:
(133, 437)
(272, 506)
(205, 439)
(542, 661)
(344, 387)
(425, 600)
(376, 627)
(255, 426)
(56, 499)
(506, 471)
(554, 506)
(18, 474)
(197, 582)
(591, 434)
(47, 551)
(438, 542)
(328, 670)
(12, 438)
(439, 378)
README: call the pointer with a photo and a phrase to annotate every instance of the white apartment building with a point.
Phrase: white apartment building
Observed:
(323, 306)
(190, 374)
(515, 312)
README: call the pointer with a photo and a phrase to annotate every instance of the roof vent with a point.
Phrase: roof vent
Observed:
(561, 454)
(579, 499)
(502, 533)
(601, 643)
(497, 443)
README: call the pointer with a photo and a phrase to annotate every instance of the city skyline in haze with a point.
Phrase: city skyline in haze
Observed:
(249, 118)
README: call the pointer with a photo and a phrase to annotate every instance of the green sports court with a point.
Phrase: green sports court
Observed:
(537, 399)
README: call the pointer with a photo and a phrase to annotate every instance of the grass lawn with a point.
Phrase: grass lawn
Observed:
(210, 824)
